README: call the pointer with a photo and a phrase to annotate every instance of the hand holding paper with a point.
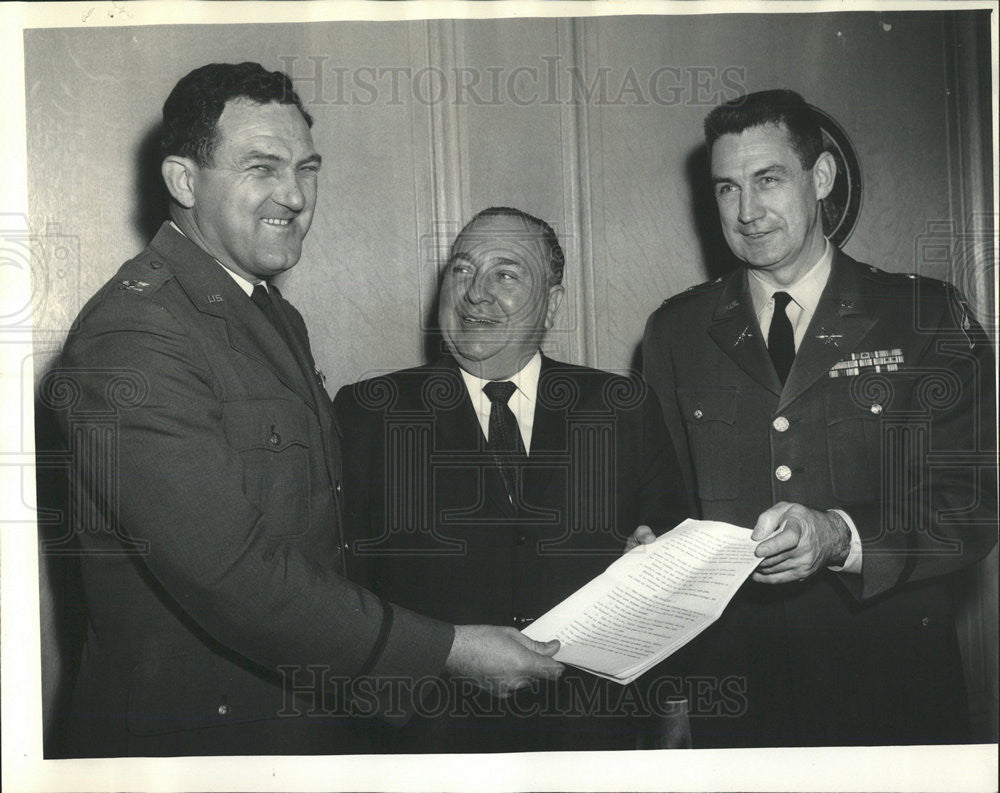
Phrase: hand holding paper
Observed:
(650, 602)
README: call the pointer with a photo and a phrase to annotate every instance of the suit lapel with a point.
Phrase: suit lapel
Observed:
(841, 321)
(736, 331)
(213, 292)
(549, 438)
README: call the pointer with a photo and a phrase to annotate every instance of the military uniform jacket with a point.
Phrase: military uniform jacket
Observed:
(432, 527)
(207, 470)
(888, 414)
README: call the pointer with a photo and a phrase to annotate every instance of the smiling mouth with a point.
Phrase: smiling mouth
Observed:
(279, 222)
(468, 319)
(756, 235)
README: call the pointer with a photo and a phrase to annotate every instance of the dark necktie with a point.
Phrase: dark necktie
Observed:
(505, 436)
(262, 297)
(780, 338)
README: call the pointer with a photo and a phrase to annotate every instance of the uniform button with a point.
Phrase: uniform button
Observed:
(698, 414)
(275, 439)
(780, 424)
(223, 709)
(876, 409)
(155, 265)
(339, 487)
(925, 621)
(521, 539)
(783, 473)
(346, 548)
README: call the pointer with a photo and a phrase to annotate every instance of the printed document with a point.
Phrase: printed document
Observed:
(650, 602)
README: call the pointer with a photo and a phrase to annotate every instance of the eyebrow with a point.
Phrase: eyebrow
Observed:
(256, 156)
(767, 169)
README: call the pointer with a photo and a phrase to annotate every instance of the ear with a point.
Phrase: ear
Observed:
(824, 174)
(556, 293)
(179, 174)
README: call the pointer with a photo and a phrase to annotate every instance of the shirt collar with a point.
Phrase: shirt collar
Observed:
(241, 282)
(806, 291)
(526, 380)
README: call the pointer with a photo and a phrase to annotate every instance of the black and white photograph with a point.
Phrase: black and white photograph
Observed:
(506, 396)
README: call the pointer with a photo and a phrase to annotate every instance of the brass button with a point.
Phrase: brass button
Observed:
(925, 621)
(275, 439)
(223, 710)
(155, 265)
(339, 487)
(521, 539)
(698, 414)
(783, 473)
(876, 409)
(780, 424)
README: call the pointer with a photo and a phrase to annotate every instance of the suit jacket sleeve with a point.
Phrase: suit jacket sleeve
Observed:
(180, 487)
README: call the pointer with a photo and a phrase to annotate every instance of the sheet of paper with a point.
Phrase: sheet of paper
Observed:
(650, 602)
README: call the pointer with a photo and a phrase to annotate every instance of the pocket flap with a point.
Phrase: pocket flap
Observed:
(272, 424)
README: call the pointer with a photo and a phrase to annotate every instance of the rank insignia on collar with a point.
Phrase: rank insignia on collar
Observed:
(745, 334)
(319, 375)
(214, 298)
(731, 306)
(874, 361)
(135, 286)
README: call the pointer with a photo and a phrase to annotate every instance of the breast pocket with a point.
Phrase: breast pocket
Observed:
(271, 437)
(854, 446)
(710, 418)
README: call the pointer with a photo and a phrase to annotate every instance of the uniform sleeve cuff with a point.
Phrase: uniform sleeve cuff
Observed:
(852, 564)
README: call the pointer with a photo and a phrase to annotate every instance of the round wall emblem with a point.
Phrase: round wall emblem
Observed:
(843, 206)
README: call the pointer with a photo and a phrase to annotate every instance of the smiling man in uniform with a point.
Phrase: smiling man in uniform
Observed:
(219, 615)
(845, 415)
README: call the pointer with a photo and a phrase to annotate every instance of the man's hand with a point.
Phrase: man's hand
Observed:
(643, 535)
(501, 660)
(800, 541)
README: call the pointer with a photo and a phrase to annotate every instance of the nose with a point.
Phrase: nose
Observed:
(750, 206)
(477, 290)
(289, 193)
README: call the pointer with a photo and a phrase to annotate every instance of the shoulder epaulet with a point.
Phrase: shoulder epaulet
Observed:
(143, 275)
(887, 277)
(697, 289)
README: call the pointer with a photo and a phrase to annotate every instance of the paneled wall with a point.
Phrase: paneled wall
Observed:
(593, 124)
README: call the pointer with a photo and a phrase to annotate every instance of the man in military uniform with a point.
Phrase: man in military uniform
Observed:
(207, 466)
(846, 415)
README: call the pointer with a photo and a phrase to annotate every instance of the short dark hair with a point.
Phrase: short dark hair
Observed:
(191, 112)
(557, 260)
(780, 107)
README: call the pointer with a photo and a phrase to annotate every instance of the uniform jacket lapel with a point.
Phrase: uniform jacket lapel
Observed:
(213, 292)
(735, 330)
(841, 321)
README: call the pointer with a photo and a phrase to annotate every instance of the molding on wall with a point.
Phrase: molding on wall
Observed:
(973, 251)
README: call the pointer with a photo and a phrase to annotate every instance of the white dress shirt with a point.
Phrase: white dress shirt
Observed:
(805, 294)
(521, 402)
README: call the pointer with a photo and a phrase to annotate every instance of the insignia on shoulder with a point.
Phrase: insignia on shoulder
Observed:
(874, 361)
(134, 286)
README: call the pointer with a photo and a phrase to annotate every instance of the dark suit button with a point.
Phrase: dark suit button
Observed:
(521, 622)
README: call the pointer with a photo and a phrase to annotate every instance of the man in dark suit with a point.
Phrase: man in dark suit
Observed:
(493, 483)
(846, 414)
(207, 473)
